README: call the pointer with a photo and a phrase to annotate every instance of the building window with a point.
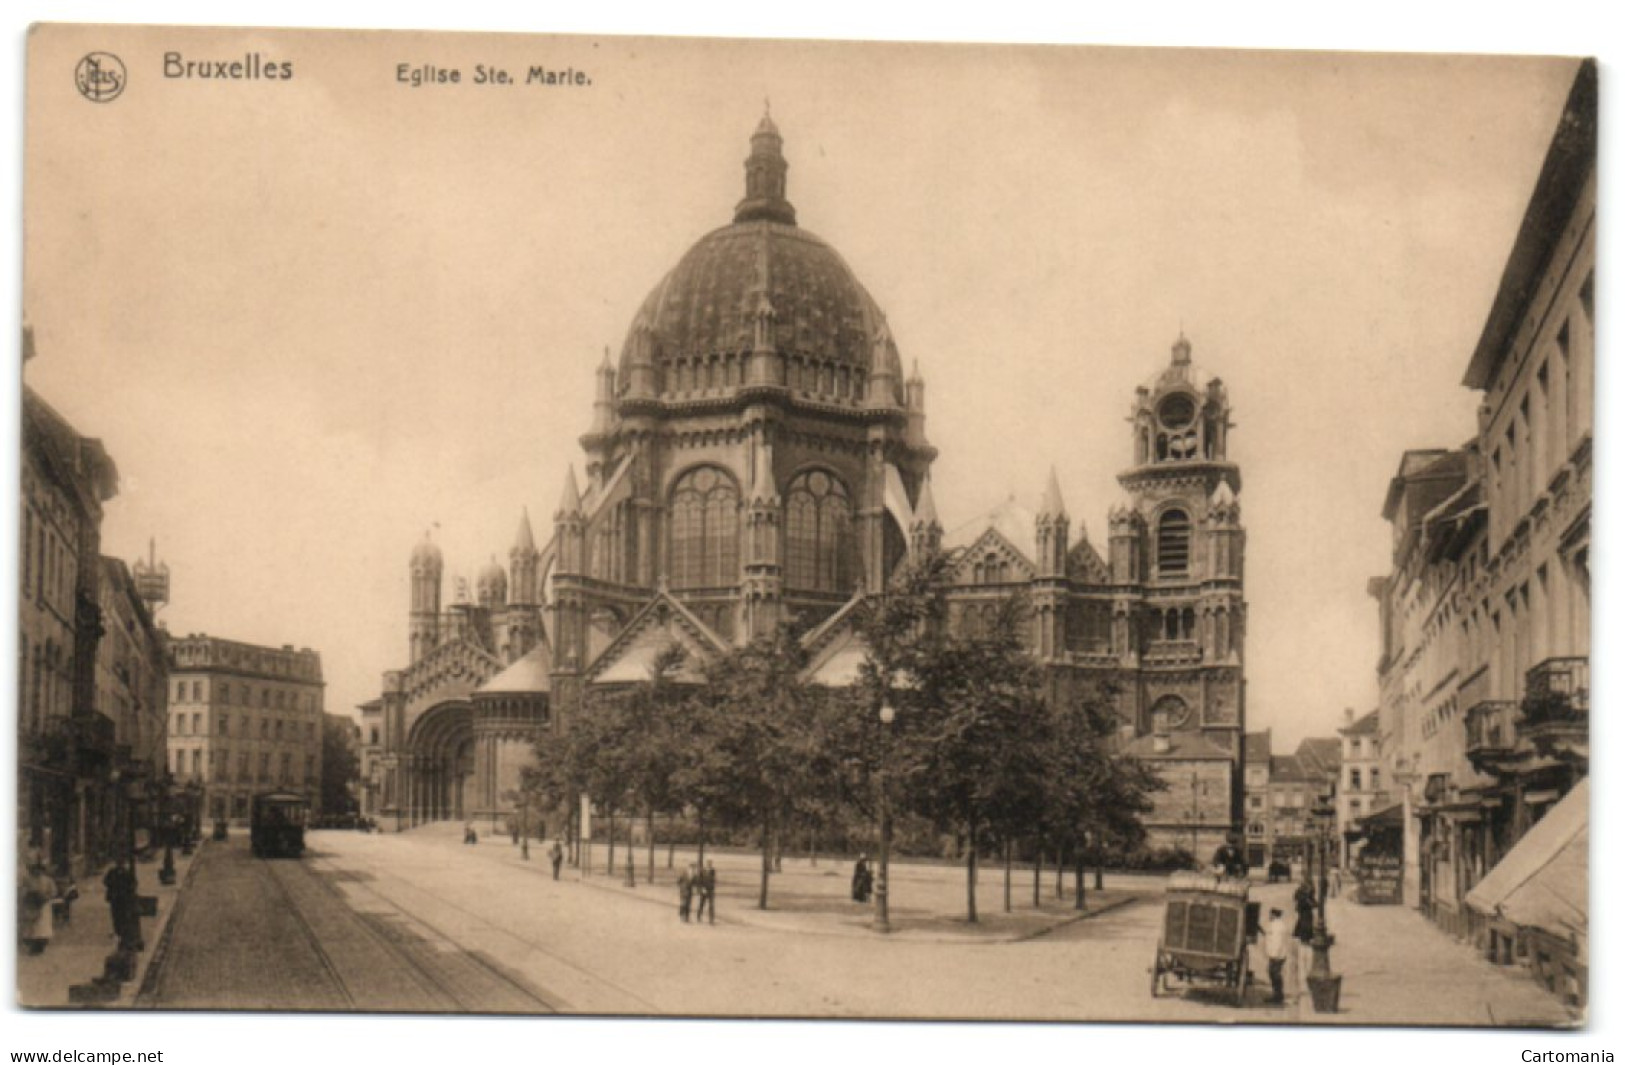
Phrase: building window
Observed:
(704, 530)
(225, 725)
(197, 691)
(1173, 542)
(992, 570)
(197, 724)
(818, 533)
(265, 728)
(1354, 779)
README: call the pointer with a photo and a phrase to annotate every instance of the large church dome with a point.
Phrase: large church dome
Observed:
(762, 284)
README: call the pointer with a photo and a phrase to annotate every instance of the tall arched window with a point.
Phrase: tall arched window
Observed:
(704, 530)
(1173, 542)
(818, 533)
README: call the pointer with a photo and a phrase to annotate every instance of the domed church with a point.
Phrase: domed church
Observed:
(757, 454)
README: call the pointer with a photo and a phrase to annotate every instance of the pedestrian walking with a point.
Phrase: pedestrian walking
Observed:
(1304, 901)
(514, 825)
(120, 886)
(686, 882)
(38, 900)
(67, 892)
(556, 856)
(708, 893)
(862, 880)
(1277, 946)
(1336, 881)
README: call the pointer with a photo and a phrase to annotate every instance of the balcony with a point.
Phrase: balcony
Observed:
(1491, 733)
(1559, 686)
(1556, 709)
(94, 735)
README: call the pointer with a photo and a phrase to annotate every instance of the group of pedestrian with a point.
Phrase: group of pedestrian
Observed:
(44, 901)
(694, 883)
(1228, 860)
(1279, 940)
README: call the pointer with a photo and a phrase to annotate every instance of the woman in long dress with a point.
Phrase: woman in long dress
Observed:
(39, 892)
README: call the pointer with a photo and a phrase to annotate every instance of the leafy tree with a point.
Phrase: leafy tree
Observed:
(1096, 792)
(341, 767)
(754, 738)
(967, 746)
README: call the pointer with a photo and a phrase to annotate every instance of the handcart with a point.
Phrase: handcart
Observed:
(1206, 927)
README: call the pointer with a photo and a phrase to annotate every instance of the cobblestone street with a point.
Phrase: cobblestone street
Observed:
(420, 922)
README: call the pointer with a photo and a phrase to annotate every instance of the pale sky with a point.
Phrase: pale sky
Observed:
(311, 319)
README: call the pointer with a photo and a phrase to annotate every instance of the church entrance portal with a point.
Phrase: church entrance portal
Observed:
(440, 765)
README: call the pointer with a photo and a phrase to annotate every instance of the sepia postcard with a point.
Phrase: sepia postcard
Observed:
(716, 528)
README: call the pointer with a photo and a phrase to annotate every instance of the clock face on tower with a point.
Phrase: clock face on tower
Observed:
(1177, 412)
(1177, 415)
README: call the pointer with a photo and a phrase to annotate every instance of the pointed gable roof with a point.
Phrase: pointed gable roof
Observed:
(836, 649)
(662, 622)
(532, 674)
(1084, 564)
(992, 541)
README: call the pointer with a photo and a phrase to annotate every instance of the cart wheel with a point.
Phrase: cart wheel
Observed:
(1156, 977)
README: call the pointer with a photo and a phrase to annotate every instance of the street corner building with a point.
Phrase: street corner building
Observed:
(244, 719)
(758, 454)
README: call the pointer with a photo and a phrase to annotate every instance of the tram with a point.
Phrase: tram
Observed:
(277, 825)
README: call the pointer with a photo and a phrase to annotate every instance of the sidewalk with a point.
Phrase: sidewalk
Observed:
(927, 900)
(80, 947)
(1400, 968)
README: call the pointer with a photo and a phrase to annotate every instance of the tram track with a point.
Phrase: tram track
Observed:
(640, 1003)
(302, 921)
(449, 978)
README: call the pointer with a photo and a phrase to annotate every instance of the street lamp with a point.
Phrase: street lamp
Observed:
(524, 824)
(168, 818)
(1324, 986)
(888, 714)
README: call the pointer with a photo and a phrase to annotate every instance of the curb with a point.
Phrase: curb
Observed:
(1115, 904)
(144, 983)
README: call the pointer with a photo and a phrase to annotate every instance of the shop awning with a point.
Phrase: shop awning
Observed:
(1387, 817)
(1541, 883)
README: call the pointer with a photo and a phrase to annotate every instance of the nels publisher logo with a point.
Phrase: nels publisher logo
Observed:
(100, 77)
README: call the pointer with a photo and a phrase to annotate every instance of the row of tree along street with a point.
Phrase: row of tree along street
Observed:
(969, 748)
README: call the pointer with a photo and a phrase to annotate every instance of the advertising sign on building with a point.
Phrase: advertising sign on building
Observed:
(1380, 879)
